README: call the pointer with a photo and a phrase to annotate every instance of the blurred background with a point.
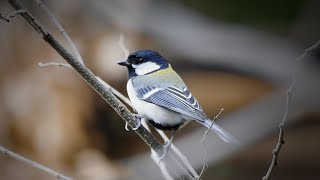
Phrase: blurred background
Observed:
(233, 54)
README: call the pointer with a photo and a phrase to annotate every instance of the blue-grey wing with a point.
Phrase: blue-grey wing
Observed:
(173, 98)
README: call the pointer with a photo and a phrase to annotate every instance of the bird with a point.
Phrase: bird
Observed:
(159, 95)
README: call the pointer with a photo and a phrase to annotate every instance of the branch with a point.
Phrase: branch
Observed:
(33, 164)
(40, 64)
(310, 51)
(11, 15)
(205, 164)
(213, 121)
(90, 78)
(122, 46)
(4, 18)
(276, 151)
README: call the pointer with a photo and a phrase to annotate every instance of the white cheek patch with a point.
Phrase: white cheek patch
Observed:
(145, 68)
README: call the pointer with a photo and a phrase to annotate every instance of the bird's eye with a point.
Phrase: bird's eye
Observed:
(140, 60)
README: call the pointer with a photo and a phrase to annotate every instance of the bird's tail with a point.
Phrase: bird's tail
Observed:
(224, 135)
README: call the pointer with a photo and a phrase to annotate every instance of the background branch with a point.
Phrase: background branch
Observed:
(310, 51)
(62, 31)
(40, 64)
(33, 164)
(275, 153)
(11, 15)
(205, 164)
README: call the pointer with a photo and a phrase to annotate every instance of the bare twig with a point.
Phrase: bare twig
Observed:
(4, 18)
(122, 46)
(276, 151)
(310, 51)
(213, 121)
(11, 15)
(205, 164)
(62, 31)
(161, 166)
(40, 64)
(117, 93)
(33, 164)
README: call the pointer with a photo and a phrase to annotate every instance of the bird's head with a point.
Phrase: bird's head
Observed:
(143, 62)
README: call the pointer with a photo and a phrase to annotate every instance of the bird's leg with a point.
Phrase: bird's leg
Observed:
(139, 117)
(167, 146)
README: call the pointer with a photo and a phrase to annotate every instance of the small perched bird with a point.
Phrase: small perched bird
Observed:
(161, 97)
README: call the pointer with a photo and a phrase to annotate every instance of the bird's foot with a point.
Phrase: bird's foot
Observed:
(138, 117)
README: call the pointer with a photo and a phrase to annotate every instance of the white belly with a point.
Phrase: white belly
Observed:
(156, 113)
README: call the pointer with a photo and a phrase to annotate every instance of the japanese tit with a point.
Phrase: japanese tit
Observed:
(161, 97)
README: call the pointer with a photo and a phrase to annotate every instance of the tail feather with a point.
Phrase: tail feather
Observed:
(223, 134)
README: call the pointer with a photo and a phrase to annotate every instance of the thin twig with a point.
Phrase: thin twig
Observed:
(161, 166)
(40, 64)
(125, 99)
(122, 46)
(11, 15)
(276, 151)
(205, 164)
(62, 31)
(4, 18)
(310, 51)
(33, 164)
(213, 121)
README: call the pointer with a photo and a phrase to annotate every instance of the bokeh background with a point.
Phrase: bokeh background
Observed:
(239, 55)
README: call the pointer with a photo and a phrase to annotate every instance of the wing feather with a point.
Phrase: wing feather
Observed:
(173, 98)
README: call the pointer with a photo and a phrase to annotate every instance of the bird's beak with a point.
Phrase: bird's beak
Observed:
(124, 63)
